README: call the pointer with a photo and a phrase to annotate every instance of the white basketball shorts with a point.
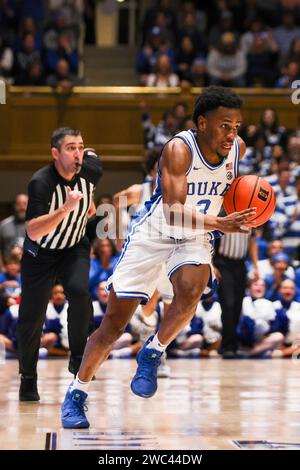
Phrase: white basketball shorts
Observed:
(137, 273)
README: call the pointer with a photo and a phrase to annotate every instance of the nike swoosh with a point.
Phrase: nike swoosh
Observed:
(196, 168)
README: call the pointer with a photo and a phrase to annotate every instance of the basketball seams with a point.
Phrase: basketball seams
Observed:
(234, 191)
(256, 184)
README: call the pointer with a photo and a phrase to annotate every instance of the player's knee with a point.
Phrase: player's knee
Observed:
(187, 294)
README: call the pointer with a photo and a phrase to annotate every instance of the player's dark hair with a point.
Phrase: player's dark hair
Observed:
(213, 97)
(59, 134)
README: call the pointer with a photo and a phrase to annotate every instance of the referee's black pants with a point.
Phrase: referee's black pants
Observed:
(71, 267)
(231, 291)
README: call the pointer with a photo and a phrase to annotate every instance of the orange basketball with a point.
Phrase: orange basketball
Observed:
(251, 191)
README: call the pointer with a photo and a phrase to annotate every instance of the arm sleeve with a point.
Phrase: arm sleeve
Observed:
(92, 166)
(39, 197)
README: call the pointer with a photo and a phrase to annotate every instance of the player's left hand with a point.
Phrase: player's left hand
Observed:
(237, 221)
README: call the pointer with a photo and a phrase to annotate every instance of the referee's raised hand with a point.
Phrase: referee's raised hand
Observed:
(72, 200)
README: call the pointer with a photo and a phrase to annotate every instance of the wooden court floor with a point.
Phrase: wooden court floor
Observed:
(206, 404)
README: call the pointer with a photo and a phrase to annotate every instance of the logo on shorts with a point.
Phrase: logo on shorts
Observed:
(229, 175)
(263, 194)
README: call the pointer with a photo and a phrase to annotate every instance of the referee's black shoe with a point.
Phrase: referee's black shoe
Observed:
(28, 389)
(74, 364)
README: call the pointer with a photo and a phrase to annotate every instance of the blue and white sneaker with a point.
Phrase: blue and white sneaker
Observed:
(73, 410)
(144, 383)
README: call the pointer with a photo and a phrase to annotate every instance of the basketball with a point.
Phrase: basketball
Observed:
(251, 191)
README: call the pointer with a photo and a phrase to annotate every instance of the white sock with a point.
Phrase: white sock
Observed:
(80, 385)
(155, 344)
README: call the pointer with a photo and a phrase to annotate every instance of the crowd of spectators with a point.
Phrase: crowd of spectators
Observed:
(39, 42)
(222, 42)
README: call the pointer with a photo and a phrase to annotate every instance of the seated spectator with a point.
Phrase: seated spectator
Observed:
(270, 127)
(226, 64)
(161, 22)
(225, 25)
(12, 229)
(185, 57)
(34, 76)
(286, 221)
(280, 263)
(54, 337)
(262, 61)
(286, 33)
(62, 77)
(150, 17)
(147, 57)
(199, 73)
(6, 60)
(257, 158)
(266, 266)
(164, 75)
(9, 20)
(180, 110)
(256, 27)
(290, 73)
(294, 51)
(203, 332)
(33, 9)
(25, 57)
(190, 29)
(157, 136)
(186, 123)
(55, 28)
(287, 319)
(263, 238)
(17, 252)
(293, 150)
(55, 329)
(196, 11)
(255, 326)
(64, 51)
(28, 26)
(10, 279)
(103, 264)
(8, 328)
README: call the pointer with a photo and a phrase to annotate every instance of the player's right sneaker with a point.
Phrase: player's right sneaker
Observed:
(73, 410)
(144, 383)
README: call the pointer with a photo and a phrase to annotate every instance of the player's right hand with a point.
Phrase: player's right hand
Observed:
(72, 200)
(237, 221)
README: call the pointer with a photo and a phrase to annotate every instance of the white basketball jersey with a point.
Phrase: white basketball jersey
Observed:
(206, 187)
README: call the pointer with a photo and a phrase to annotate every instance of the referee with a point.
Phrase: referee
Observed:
(55, 247)
(231, 253)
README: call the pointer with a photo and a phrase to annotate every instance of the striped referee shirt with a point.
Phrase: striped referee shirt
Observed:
(47, 192)
(234, 245)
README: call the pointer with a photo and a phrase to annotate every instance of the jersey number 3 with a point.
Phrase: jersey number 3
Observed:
(204, 205)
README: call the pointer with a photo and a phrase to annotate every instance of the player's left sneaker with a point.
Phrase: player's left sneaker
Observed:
(144, 383)
(73, 410)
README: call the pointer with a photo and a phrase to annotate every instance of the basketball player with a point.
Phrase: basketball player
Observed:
(136, 196)
(195, 170)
